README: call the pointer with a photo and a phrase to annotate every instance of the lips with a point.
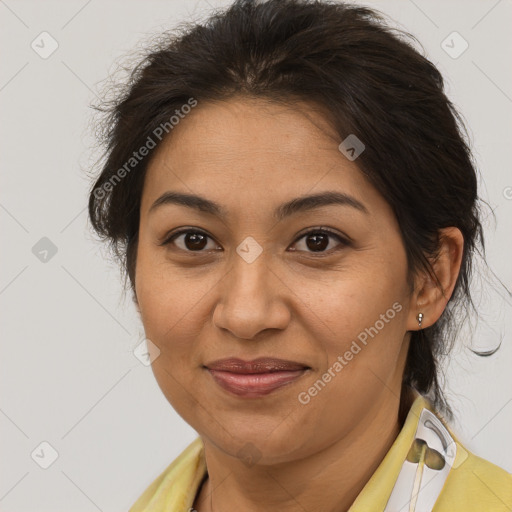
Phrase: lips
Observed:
(261, 365)
(255, 378)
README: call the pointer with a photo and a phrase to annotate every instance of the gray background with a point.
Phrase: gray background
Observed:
(68, 374)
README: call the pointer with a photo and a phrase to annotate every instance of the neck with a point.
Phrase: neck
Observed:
(334, 476)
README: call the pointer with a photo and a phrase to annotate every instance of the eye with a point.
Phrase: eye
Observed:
(193, 241)
(317, 240)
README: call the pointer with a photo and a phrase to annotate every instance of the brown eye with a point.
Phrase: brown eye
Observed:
(191, 240)
(195, 241)
(317, 241)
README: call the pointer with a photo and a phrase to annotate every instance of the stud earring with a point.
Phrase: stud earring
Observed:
(420, 318)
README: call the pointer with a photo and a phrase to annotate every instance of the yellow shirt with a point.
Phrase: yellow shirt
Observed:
(426, 469)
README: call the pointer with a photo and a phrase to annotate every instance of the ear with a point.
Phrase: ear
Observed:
(429, 298)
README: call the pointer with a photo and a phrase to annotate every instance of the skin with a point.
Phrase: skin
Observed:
(250, 156)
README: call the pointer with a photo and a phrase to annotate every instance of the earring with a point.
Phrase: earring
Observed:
(420, 318)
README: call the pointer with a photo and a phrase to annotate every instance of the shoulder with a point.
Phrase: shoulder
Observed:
(175, 488)
(439, 473)
(475, 484)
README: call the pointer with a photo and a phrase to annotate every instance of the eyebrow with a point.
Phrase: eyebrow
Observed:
(299, 204)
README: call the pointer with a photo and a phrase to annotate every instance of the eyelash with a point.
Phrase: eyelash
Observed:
(320, 230)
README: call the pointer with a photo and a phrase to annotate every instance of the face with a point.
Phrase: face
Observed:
(322, 284)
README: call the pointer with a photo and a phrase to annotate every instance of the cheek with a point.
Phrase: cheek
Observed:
(360, 336)
(368, 335)
(363, 317)
(161, 298)
(174, 308)
(169, 308)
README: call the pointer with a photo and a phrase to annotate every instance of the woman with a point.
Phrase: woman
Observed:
(296, 209)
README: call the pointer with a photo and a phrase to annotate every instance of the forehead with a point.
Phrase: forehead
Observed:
(242, 126)
(245, 150)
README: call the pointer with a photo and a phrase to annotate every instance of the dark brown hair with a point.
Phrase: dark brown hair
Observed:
(366, 77)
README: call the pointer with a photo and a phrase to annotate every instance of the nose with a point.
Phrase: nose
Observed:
(252, 298)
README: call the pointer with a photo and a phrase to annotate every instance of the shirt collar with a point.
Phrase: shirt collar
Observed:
(376, 492)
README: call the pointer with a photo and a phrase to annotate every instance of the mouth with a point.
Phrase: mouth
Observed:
(252, 379)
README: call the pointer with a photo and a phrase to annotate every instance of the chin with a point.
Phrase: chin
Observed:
(257, 444)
